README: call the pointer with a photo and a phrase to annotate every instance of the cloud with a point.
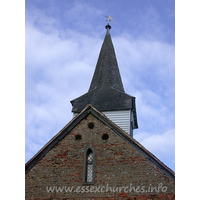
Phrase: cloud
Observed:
(147, 69)
(60, 63)
(146, 60)
(57, 70)
(162, 145)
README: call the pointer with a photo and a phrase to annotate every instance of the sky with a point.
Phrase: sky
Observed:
(62, 44)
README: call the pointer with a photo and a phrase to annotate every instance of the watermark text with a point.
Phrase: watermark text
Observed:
(106, 188)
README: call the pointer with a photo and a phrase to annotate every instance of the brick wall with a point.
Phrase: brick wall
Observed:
(117, 166)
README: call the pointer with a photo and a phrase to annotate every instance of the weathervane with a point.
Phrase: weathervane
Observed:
(109, 18)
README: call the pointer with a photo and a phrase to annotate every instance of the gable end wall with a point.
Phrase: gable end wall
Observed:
(117, 164)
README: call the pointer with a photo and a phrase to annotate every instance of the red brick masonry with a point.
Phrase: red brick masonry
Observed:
(117, 164)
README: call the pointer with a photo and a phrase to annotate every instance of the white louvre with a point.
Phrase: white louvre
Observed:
(121, 118)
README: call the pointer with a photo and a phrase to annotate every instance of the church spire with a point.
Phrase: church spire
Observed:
(107, 72)
(106, 92)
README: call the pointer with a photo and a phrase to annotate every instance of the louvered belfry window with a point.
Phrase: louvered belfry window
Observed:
(89, 166)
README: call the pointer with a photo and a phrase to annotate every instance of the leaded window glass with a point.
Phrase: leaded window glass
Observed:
(89, 166)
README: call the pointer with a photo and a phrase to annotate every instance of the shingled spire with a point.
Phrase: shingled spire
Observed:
(106, 92)
(107, 72)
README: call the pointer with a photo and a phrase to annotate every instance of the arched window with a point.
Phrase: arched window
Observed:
(89, 166)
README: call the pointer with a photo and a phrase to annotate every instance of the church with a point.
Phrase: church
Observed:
(95, 156)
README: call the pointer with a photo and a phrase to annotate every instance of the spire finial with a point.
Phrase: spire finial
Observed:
(108, 20)
(108, 27)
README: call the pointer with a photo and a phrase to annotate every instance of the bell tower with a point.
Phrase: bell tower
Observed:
(106, 92)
